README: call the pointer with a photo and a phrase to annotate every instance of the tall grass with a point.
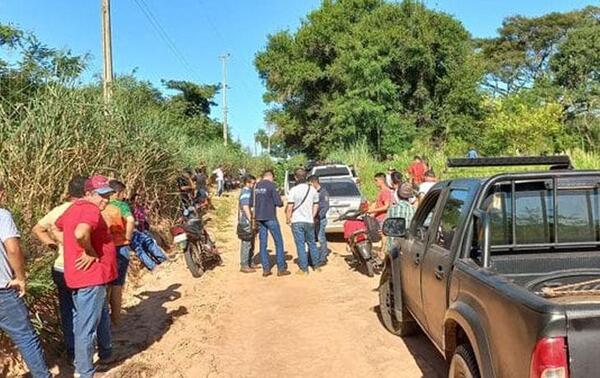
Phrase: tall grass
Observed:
(360, 156)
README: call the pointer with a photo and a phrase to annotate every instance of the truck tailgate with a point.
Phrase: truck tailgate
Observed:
(583, 337)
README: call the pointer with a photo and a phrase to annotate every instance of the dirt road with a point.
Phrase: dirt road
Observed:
(229, 324)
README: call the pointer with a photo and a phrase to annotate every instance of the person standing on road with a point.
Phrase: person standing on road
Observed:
(403, 209)
(383, 201)
(245, 218)
(90, 265)
(267, 199)
(396, 178)
(14, 315)
(121, 223)
(302, 209)
(45, 231)
(417, 170)
(321, 219)
(220, 178)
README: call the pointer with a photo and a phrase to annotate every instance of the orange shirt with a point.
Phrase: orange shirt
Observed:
(116, 224)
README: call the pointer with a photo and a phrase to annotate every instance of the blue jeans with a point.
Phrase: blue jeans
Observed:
(65, 304)
(147, 250)
(246, 253)
(322, 239)
(220, 187)
(304, 233)
(90, 321)
(14, 320)
(271, 226)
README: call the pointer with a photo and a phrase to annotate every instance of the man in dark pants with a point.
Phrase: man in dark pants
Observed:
(14, 315)
(321, 219)
(267, 199)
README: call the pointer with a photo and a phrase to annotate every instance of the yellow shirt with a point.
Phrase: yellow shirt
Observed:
(47, 222)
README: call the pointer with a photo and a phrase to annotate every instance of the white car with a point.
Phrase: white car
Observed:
(329, 171)
(344, 195)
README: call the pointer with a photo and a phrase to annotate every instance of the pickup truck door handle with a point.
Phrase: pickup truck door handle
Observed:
(439, 272)
(417, 258)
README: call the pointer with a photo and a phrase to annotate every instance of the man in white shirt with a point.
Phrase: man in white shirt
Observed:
(220, 178)
(302, 208)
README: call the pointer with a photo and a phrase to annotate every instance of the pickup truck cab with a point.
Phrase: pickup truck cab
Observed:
(503, 273)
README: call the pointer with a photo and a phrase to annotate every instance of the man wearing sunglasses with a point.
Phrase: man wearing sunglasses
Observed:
(90, 264)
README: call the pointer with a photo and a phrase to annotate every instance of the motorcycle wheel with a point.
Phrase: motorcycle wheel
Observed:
(193, 259)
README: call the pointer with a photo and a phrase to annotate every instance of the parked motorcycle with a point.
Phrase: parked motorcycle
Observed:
(199, 249)
(360, 232)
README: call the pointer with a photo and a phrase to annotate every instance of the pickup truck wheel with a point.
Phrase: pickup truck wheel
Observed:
(407, 326)
(463, 364)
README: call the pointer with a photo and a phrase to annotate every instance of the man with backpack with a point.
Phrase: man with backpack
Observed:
(245, 231)
(302, 208)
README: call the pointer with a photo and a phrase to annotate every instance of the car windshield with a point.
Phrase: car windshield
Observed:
(331, 171)
(341, 188)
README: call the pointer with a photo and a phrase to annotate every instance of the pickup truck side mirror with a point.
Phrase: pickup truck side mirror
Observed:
(394, 227)
(484, 221)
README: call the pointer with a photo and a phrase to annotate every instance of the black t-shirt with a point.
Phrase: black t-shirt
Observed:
(200, 181)
(184, 193)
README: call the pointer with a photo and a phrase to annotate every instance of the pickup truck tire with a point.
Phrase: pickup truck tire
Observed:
(463, 363)
(408, 325)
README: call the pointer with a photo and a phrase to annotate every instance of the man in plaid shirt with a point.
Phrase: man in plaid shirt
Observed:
(402, 209)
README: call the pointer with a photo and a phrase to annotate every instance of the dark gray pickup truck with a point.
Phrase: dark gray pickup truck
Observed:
(503, 273)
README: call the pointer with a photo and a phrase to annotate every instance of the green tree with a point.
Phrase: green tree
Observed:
(370, 69)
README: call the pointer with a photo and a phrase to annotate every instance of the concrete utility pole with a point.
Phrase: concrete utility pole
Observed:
(107, 50)
(223, 59)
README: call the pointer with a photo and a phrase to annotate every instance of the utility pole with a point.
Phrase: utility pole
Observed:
(107, 50)
(223, 59)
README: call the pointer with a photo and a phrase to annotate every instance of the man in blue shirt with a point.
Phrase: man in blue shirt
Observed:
(266, 200)
(472, 153)
(245, 218)
(321, 219)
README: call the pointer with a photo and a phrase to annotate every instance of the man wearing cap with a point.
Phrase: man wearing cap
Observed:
(90, 264)
(403, 208)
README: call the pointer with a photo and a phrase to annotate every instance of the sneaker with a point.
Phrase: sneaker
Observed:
(302, 273)
(283, 273)
(247, 269)
(267, 273)
(317, 269)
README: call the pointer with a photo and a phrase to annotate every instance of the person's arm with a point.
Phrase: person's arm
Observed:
(83, 235)
(247, 211)
(16, 260)
(381, 209)
(288, 212)
(45, 235)
(129, 227)
(315, 212)
(276, 197)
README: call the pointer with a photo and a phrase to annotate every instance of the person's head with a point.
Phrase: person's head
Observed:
(391, 169)
(249, 181)
(76, 187)
(396, 179)
(405, 191)
(417, 159)
(300, 175)
(188, 172)
(314, 181)
(380, 180)
(430, 176)
(268, 175)
(119, 189)
(97, 191)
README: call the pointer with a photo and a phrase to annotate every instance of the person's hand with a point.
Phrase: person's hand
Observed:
(19, 286)
(288, 221)
(85, 261)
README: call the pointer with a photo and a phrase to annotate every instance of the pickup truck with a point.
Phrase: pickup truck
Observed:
(502, 273)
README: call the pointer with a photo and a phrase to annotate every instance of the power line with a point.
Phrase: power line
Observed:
(165, 36)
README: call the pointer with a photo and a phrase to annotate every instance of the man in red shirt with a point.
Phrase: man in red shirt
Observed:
(416, 171)
(90, 264)
(384, 199)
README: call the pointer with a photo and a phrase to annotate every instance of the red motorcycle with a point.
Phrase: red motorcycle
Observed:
(360, 232)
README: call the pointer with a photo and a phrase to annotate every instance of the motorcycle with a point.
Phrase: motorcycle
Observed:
(199, 249)
(360, 232)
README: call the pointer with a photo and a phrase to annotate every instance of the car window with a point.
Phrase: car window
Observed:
(578, 213)
(341, 188)
(451, 215)
(332, 171)
(424, 215)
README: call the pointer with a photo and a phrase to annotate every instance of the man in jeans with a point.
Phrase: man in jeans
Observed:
(245, 217)
(90, 264)
(267, 199)
(220, 178)
(321, 219)
(14, 315)
(302, 208)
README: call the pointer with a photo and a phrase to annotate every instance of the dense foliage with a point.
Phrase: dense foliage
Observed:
(400, 74)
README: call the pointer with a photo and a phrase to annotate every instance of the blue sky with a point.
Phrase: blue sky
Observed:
(204, 29)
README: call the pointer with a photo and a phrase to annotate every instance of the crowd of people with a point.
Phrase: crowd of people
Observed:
(93, 233)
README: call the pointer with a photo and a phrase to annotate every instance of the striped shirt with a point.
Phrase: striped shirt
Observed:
(402, 209)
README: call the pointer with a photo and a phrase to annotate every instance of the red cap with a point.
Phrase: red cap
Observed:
(98, 184)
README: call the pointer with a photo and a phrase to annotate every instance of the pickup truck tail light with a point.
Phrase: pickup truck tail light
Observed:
(364, 205)
(549, 359)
